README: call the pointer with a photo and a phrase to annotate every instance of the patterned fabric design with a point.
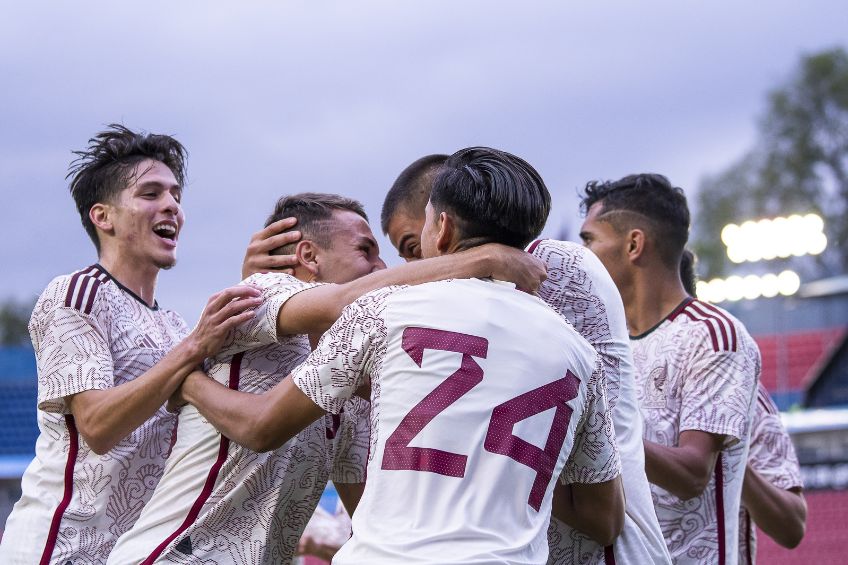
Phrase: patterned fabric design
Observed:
(441, 350)
(580, 289)
(347, 348)
(572, 290)
(89, 333)
(261, 502)
(772, 455)
(688, 381)
(591, 459)
(276, 288)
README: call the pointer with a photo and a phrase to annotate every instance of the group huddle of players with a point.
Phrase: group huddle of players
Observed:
(496, 399)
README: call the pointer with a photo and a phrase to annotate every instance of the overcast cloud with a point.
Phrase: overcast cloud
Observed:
(279, 97)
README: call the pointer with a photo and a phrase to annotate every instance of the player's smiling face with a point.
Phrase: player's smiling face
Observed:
(147, 216)
(404, 231)
(354, 251)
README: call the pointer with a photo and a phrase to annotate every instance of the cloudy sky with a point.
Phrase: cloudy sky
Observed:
(279, 97)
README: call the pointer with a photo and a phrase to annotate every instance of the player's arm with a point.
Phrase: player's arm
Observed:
(106, 416)
(590, 497)
(780, 513)
(350, 495)
(684, 470)
(596, 509)
(314, 310)
(260, 422)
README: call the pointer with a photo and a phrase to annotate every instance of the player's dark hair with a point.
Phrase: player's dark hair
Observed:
(411, 190)
(497, 197)
(107, 166)
(313, 211)
(647, 201)
(688, 272)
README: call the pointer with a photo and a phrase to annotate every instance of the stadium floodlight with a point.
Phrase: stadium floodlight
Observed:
(769, 239)
(736, 288)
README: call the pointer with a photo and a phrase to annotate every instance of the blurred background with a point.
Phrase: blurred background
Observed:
(745, 106)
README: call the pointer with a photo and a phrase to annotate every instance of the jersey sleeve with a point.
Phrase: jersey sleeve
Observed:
(346, 353)
(71, 346)
(350, 456)
(718, 389)
(772, 454)
(261, 330)
(594, 457)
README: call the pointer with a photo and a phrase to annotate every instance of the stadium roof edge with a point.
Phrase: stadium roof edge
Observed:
(825, 287)
(816, 420)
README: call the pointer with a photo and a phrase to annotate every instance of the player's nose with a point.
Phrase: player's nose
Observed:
(379, 265)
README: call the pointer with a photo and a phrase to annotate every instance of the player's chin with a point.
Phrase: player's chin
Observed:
(166, 262)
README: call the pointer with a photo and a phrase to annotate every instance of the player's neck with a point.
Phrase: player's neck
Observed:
(651, 298)
(140, 279)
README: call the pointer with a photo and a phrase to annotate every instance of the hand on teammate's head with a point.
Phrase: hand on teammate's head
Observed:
(258, 257)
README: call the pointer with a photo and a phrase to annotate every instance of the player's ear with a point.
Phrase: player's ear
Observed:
(447, 231)
(101, 216)
(306, 253)
(635, 244)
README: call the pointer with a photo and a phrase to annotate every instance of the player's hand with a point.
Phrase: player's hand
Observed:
(224, 311)
(257, 257)
(517, 266)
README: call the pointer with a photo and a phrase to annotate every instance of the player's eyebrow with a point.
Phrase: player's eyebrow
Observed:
(404, 241)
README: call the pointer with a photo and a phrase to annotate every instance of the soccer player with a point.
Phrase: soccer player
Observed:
(109, 357)
(219, 501)
(481, 396)
(696, 366)
(582, 292)
(773, 490)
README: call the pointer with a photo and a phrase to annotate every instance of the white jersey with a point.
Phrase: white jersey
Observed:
(89, 333)
(219, 502)
(698, 370)
(773, 456)
(481, 397)
(581, 290)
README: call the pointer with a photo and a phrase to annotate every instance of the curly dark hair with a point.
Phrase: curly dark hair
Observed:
(647, 201)
(108, 166)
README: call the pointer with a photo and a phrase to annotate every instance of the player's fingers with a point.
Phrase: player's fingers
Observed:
(274, 228)
(220, 300)
(275, 241)
(236, 320)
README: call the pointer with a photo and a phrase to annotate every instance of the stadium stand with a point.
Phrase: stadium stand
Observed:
(826, 537)
(792, 360)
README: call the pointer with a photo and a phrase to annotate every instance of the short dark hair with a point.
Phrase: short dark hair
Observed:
(496, 196)
(107, 166)
(411, 190)
(688, 272)
(649, 201)
(312, 210)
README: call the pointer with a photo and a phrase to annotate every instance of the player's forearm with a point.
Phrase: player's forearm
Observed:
(105, 417)
(781, 514)
(260, 422)
(233, 413)
(314, 310)
(680, 470)
(597, 509)
(350, 495)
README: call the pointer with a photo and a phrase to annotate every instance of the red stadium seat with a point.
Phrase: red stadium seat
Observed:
(826, 538)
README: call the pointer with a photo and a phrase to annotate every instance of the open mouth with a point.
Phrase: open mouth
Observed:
(166, 230)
